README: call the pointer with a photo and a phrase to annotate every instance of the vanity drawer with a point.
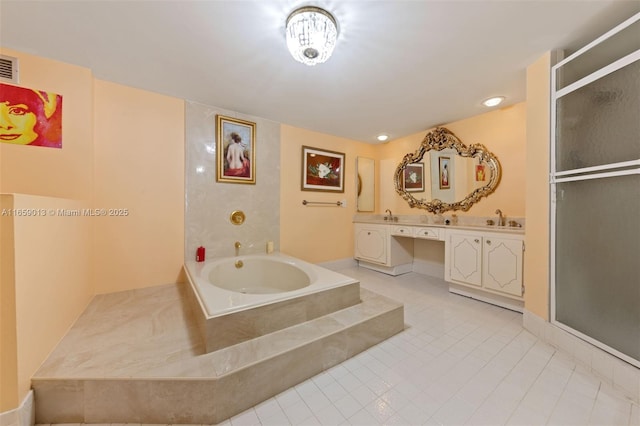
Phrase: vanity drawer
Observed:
(428, 233)
(402, 231)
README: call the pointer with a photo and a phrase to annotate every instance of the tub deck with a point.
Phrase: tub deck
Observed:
(137, 357)
(240, 317)
(221, 300)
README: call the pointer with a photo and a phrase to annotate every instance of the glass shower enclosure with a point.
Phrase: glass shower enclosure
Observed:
(595, 192)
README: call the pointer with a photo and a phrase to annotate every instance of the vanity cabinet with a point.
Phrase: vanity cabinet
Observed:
(465, 264)
(377, 249)
(371, 243)
(429, 233)
(482, 263)
(488, 261)
(502, 265)
(402, 231)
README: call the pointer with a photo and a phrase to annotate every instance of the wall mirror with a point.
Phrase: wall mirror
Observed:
(365, 181)
(444, 174)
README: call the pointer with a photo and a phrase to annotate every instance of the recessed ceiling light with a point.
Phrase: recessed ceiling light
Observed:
(491, 102)
(382, 138)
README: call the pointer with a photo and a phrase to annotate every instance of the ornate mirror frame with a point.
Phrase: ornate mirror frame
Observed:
(438, 139)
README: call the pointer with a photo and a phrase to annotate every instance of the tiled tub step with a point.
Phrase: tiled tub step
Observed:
(211, 387)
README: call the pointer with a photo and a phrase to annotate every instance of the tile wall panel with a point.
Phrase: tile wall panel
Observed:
(209, 204)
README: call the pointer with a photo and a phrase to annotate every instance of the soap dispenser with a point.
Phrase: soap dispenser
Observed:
(200, 254)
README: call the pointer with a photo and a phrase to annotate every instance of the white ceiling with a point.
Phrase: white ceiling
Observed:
(399, 67)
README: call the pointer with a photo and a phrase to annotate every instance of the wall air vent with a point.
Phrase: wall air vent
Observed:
(9, 69)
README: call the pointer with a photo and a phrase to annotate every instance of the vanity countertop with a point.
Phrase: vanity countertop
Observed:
(474, 225)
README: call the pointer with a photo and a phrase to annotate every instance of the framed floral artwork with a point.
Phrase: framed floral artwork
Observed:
(322, 170)
(414, 177)
(480, 173)
(236, 150)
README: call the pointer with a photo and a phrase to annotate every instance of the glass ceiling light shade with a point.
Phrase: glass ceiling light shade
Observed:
(311, 35)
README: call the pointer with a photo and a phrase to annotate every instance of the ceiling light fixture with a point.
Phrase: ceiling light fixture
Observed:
(382, 138)
(491, 102)
(311, 35)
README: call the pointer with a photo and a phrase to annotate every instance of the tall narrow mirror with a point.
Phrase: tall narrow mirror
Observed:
(365, 181)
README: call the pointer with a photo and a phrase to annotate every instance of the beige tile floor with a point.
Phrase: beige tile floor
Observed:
(458, 362)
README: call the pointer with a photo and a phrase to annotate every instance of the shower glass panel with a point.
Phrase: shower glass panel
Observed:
(595, 189)
(599, 123)
(597, 255)
(613, 48)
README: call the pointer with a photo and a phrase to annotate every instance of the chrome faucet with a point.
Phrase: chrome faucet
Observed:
(390, 215)
(237, 245)
(500, 217)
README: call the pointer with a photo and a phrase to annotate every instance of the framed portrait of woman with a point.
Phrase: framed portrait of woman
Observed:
(445, 170)
(236, 150)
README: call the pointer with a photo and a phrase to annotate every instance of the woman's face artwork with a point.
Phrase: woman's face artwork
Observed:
(30, 117)
(17, 123)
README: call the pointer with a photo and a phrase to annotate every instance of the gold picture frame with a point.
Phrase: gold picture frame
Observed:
(322, 170)
(414, 177)
(444, 172)
(235, 150)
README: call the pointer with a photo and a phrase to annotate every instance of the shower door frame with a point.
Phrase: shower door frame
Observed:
(604, 171)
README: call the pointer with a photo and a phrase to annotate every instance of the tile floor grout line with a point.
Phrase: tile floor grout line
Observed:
(564, 388)
(595, 400)
(507, 375)
(533, 384)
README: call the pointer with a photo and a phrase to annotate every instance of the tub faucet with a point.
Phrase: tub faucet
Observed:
(237, 245)
(500, 217)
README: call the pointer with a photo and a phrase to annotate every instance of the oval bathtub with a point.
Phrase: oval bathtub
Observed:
(222, 288)
(258, 275)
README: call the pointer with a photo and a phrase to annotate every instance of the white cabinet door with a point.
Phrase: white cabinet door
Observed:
(502, 260)
(465, 253)
(371, 243)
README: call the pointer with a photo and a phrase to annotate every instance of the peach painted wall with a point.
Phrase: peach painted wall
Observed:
(51, 281)
(536, 259)
(502, 131)
(38, 252)
(139, 166)
(8, 338)
(317, 234)
(130, 155)
(66, 172)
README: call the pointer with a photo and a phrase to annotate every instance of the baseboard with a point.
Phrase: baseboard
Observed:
(619, 374)
(494, 299)
(336, 265)
(389, 270)
(24, 415)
